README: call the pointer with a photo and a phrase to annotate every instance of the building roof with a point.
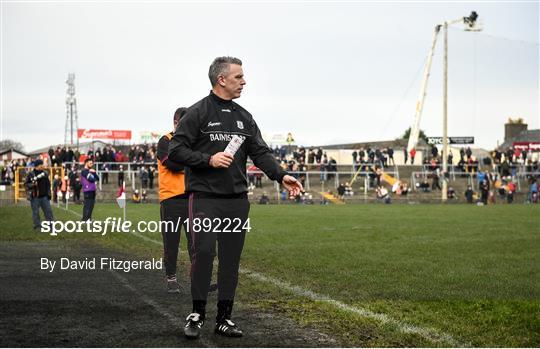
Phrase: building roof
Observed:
(523, 136)
(396, 143)
(73, 146)
(8, 150)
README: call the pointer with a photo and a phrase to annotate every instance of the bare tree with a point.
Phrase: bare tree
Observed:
(422, 134)
(11, 144)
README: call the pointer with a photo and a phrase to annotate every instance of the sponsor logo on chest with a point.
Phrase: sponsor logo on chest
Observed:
(222, 137)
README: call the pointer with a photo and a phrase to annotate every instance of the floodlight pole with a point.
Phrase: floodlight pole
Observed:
(444, 194)
(445, 116)
(470, 22)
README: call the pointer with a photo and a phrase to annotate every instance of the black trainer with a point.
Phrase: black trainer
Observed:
(228, 328)
(194, 323)
(172, 285)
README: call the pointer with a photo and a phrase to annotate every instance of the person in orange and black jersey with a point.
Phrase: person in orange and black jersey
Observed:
(173, 204)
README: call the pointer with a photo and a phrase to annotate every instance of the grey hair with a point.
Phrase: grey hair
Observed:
(220, 66)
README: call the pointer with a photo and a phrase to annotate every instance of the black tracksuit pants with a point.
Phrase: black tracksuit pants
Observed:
(173, 212)
(218, 219)
(88, 207)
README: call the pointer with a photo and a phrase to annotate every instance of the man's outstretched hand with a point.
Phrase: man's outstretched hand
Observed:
(292, 185)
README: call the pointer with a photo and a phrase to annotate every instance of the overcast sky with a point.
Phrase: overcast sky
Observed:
(327, 72)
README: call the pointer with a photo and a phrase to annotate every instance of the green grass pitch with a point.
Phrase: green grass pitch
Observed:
(469, 272)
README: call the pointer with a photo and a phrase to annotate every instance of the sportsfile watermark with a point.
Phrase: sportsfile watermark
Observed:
(119, 225)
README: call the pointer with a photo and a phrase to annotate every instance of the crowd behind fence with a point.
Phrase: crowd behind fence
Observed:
(321, 173)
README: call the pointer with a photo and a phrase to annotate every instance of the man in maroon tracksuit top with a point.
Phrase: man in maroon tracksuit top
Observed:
(217, 186)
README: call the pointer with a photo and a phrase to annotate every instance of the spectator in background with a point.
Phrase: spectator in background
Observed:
(341, 190)
(451, 193)
(77, 186)
(144, 177)
(390, 152)
(384, 157)
(64, 188)
(450, 158)
(497, 157)
(505, 168)
(348, 189)
(283, 195)
(405, 155)
(319, 155)
(469, 194)
(276, 151)
(56, 187)
(302, 169)
(468, 152)
(332, 168)
(434, 152)
(413, 154)
(251, 176)
(403, 189)
(258, 178)
(131, 154)
(484, 191)
(119, 156)
(105, 173)
(323, 169)
(511, 189)
(120, 176)
(144, 196)
(424, 185)
(503, 188)
(383, 194)
(89, 178)
(136, 197)
(362, 155)
(435, 180)
(370, 155)
(378, 157)
(524, 156)
(533, 191)
(70, 155)
(311, 156)
(433, 164)
(151, 175)
(38, 187)
(509, 154)
(264, 200)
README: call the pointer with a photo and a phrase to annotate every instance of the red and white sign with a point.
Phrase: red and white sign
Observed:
(103, 134)
(530, 146)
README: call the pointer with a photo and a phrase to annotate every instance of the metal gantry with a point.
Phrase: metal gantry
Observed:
(72, 120)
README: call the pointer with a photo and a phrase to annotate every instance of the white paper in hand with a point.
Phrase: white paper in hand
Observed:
(234, 145)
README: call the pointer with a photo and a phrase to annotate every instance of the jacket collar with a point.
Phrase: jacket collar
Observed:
(219, 99)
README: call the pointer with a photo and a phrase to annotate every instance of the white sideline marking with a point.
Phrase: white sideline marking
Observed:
(427, 333)
(176, 321)
(68, 210)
